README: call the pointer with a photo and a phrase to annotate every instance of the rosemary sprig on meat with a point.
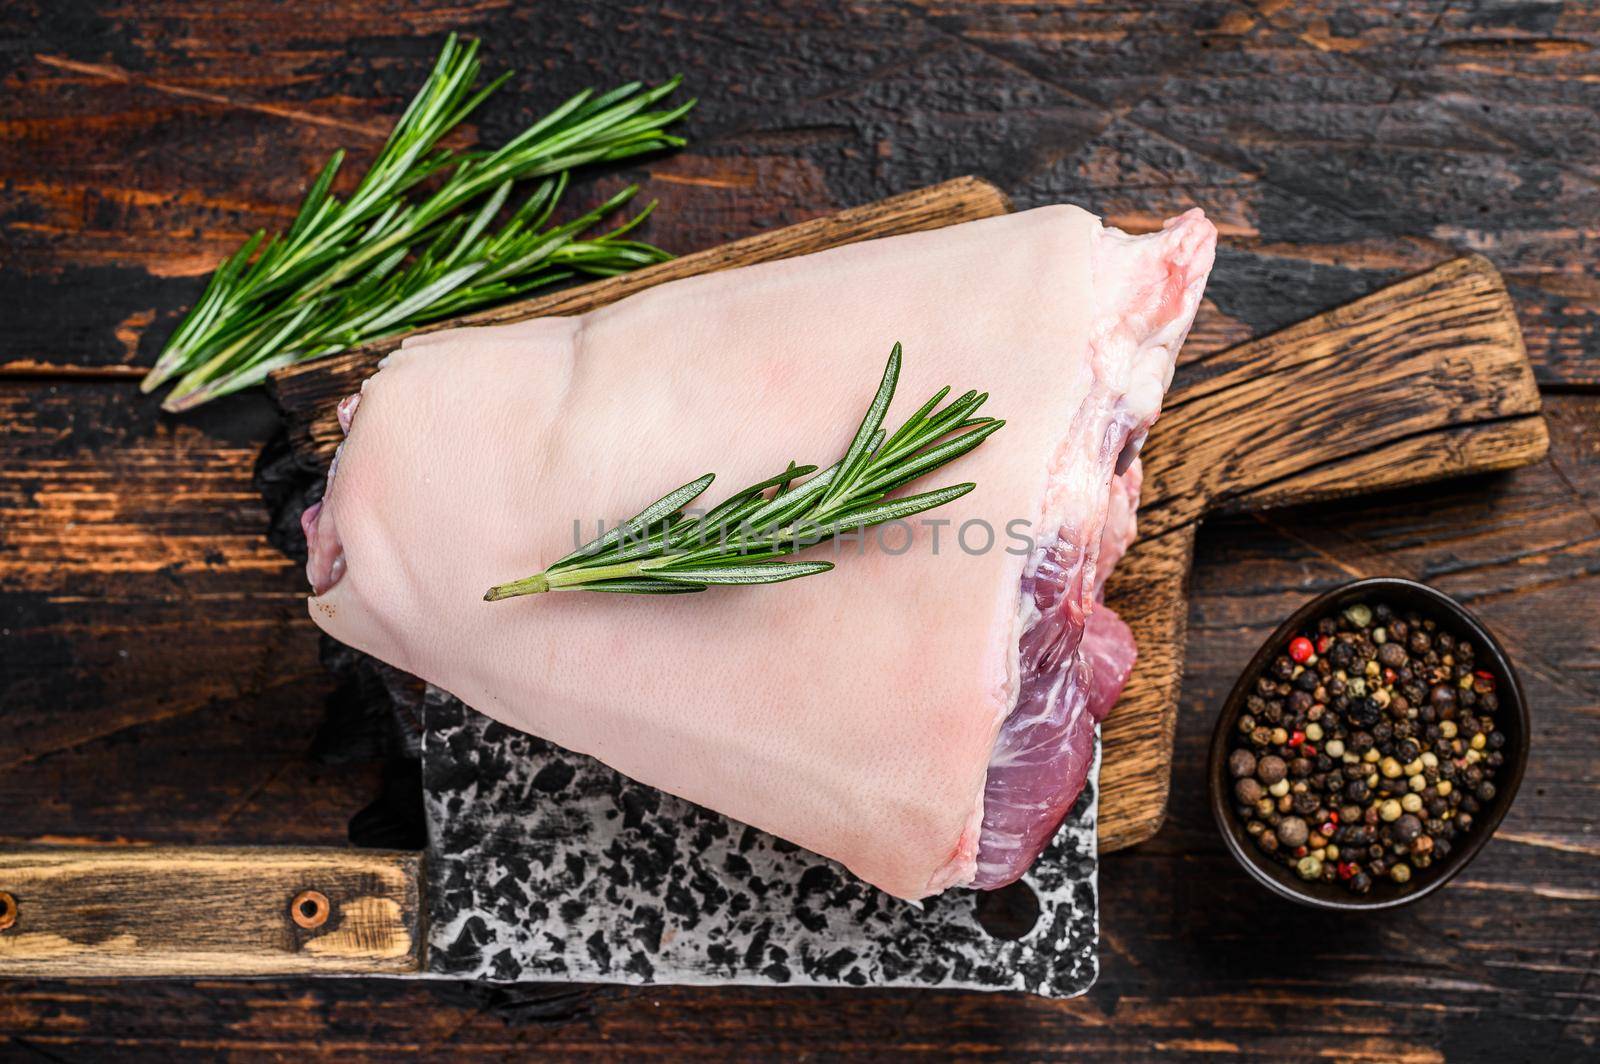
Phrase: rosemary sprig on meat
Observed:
(664, 550)
(388, 258)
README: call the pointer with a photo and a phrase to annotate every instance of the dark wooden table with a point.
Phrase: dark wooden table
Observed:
(162, 684)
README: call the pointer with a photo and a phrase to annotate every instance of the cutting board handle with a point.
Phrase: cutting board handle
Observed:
(1423, 379)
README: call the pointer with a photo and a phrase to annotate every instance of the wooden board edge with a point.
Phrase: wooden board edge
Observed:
(1149, 590)
(1440, 454)
(210, 911)
(1347, 400)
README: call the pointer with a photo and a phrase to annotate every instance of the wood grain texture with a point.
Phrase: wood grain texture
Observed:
(168, 911)
(153, 645)
(1340, 146)
(1149, 589)
(308, 393)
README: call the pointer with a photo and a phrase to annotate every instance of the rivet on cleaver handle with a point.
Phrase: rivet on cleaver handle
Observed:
(222, 911)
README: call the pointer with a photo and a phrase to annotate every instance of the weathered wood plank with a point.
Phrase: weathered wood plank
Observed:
(159, 679)
(308, 393)
(120, 911)
(1326, 186)
(1340, 146)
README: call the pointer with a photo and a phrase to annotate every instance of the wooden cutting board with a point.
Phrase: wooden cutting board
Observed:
(1421, 380)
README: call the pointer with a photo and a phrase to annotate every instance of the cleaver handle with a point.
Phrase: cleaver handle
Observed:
(209, 911)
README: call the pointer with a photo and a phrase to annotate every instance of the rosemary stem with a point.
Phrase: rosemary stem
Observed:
(574, 578)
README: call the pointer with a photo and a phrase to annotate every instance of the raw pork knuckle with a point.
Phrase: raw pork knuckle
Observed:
(925, 713)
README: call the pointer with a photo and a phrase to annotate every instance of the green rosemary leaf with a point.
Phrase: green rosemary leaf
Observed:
(864, 443)
(645, 587)
(895, 510)
(928, 460)
(668, 504)
(742, 540)
(744, 574)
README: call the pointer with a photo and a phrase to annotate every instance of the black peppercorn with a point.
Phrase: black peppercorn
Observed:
(1341, 655)
(1420, 643)
(1360, 883)
(1486, 791)
(1391, 655)
(1407, 828)
(1306, 682)
(1363, 713)
(1356, 790)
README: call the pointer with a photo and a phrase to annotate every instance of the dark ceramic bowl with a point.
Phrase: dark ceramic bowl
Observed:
(1511, 719)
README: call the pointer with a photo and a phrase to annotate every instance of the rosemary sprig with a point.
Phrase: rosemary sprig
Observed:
(386, 259)
(663, 550)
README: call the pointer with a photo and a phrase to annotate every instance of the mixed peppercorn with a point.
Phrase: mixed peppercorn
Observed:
(1367, 748)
